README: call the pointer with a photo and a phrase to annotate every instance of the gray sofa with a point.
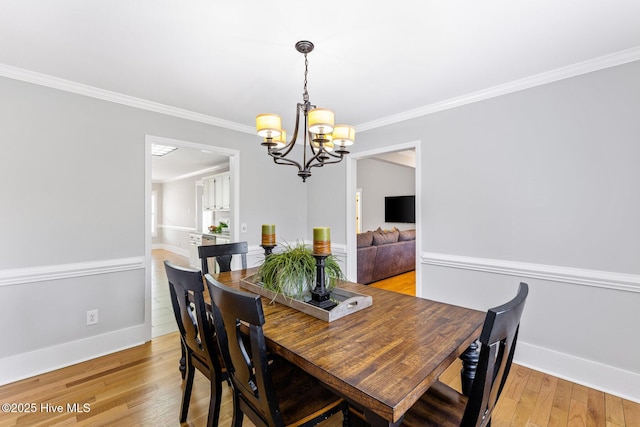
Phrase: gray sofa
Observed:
(385, 253)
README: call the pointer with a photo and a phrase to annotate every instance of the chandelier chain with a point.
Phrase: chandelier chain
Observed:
(305, 95)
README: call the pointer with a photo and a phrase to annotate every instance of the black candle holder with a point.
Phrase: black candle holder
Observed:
(268, 249)
(320, 296)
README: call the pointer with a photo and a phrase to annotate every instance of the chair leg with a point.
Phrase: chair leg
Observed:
(214, 402)
(186, 393)
(183, 360)
(346, 420)
(237, 413)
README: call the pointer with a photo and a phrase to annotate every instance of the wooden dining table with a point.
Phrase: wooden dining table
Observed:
(380, 359)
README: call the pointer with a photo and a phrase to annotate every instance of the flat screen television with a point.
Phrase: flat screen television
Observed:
(400, 209)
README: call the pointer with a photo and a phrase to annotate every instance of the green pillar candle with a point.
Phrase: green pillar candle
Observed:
(268, 234)
(322, 241)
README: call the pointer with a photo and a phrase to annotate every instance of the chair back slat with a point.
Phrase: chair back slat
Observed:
(186, 288)
(223, 254)
(238, 318)
(498, 343)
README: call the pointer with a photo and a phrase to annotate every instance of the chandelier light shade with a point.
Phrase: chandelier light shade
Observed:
(344, 135)
(321, 121)
(323, 144)
(268, 125)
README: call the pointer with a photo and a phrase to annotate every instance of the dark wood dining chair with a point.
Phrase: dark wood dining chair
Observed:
(197, 337)
(443, 406)
(269, 390)
(223, 254)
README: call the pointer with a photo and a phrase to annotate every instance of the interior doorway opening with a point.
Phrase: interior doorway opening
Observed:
(232, 165)
(357, 211)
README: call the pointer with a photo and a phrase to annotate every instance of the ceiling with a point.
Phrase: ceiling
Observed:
(185, 162)
(233, 60)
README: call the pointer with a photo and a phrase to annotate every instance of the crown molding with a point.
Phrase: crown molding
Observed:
(606, 61)
(118, 98)
(600, 63)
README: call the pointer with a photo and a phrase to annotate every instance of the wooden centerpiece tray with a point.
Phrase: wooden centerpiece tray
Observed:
(348, 302)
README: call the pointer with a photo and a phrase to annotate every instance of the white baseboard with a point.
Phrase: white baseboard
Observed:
(26, 365)
(601, 377)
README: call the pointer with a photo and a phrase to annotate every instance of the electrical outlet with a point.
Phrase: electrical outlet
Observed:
(243, 227)
(92, 317)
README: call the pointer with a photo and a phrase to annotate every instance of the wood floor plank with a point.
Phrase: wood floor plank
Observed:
(578, 406)
(596, 415)
(528, 399)
(614, 410)
(517, 382)
(577, 414)
(631, 413)
(580, 393)
(544, 403)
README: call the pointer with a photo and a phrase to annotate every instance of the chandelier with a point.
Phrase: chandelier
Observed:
(324, 143)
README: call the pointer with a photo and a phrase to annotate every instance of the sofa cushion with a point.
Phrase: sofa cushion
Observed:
(366, 263)
(407, 235)
(365, 239)
(385, 237)
(394, 259)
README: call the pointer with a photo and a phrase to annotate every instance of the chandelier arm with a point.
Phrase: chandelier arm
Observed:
(316, 157)
(335, 156)
(320, 164)
(287, 148)
(313, 149)
(284, 161)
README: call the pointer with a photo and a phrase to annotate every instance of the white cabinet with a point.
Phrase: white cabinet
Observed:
(195, 240)
(222, 184)
(217, 192)
(208, 194)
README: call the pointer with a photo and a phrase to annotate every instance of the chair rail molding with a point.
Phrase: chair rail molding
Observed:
(19, 276)
(578, 276)
(177, 228)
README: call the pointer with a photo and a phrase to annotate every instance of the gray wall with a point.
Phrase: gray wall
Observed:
(540, 186)
(73, 219)
(378, 179)
(325, 202)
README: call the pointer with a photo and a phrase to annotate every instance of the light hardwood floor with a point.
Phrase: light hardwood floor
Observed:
(142, 387)
(162, 319)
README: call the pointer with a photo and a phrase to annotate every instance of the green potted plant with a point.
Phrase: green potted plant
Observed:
(292, 272)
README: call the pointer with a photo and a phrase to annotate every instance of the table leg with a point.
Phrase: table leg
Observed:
(469, 359)
(376, 420)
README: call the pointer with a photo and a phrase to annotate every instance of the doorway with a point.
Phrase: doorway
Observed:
(352, 207)
(234, 200)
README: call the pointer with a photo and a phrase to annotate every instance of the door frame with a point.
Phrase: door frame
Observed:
(352, 182)
(234, 229)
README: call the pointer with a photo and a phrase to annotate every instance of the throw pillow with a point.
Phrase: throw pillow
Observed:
(365, 239)
(407, 235)
(385, 237)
